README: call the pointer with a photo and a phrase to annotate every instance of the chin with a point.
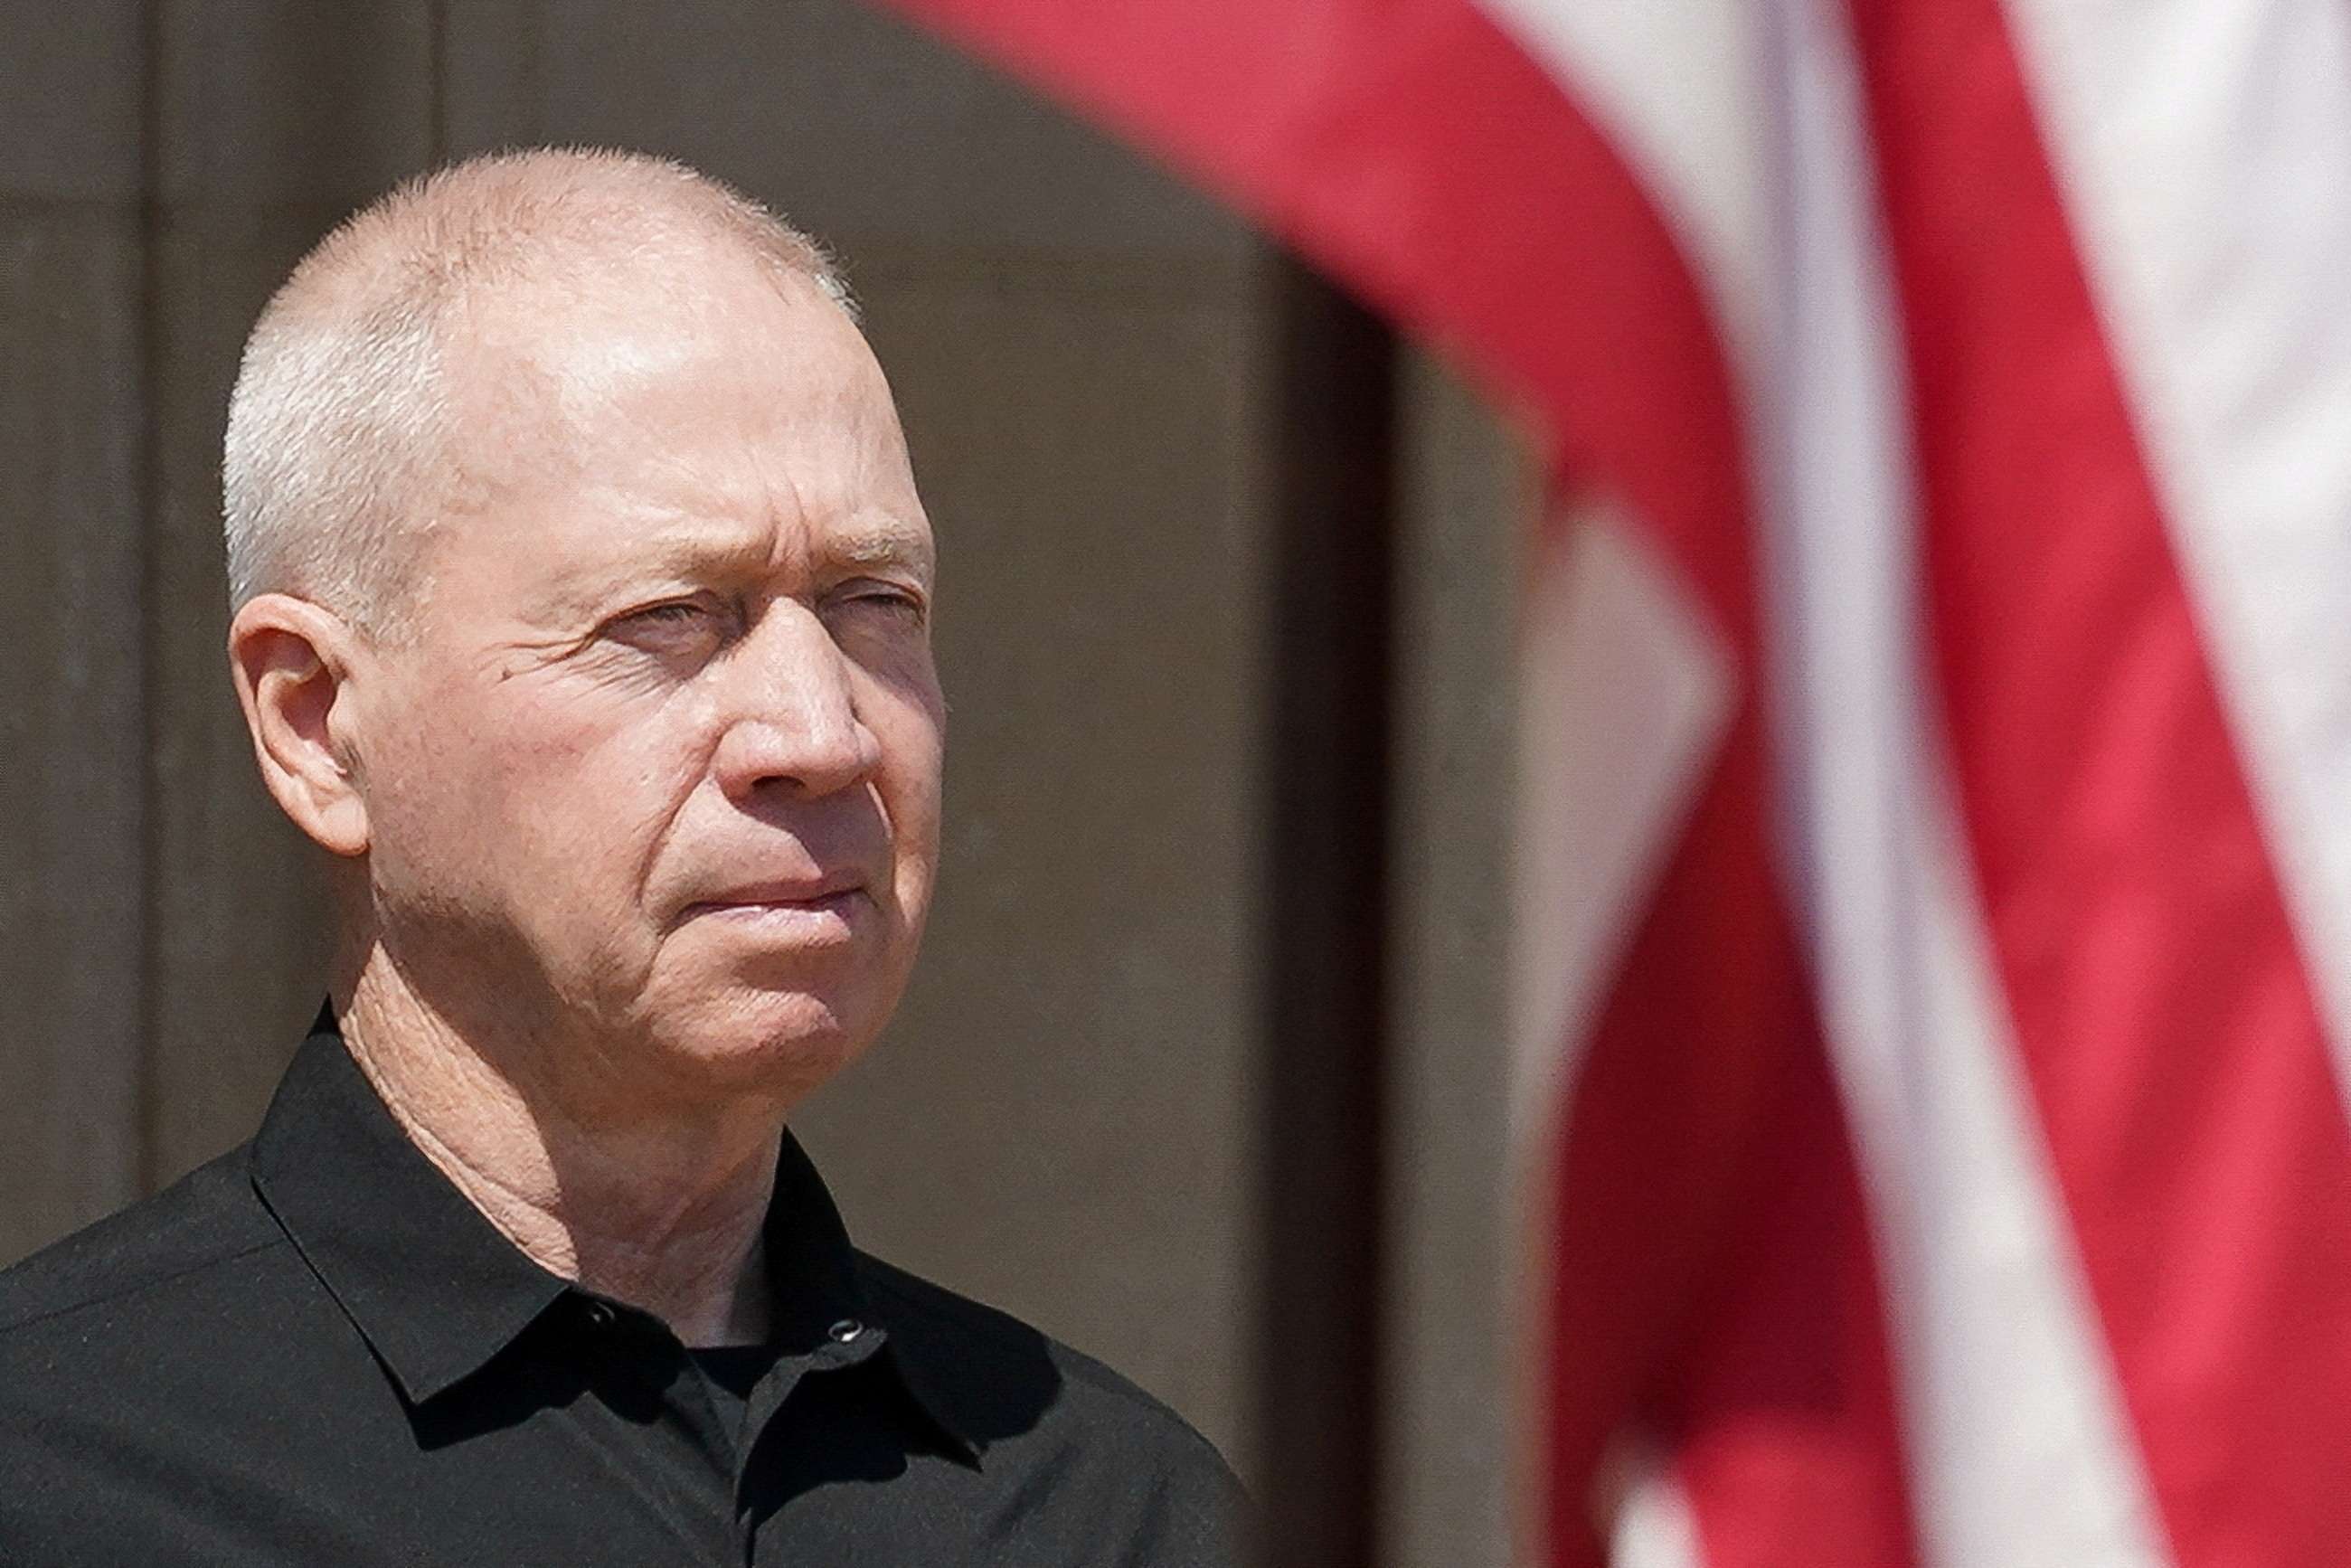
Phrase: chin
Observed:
(775, 1043)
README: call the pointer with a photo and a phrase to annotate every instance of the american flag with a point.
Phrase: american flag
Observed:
(1936, 937)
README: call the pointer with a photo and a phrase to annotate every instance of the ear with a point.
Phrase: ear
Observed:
(291, 661)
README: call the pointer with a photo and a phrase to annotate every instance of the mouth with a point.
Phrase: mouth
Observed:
(830, 900)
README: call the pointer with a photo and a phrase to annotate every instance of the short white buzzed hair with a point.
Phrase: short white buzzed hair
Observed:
(338, 426)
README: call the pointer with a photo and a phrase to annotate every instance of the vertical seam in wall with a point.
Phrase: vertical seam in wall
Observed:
(436, 141)
(147, 1079)
(1326, 1004)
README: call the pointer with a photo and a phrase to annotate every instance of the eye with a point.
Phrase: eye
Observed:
(672, 626)
(888, 599)
(677, 613)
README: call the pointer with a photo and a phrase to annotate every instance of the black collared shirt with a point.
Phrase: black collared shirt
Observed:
(316, 1351)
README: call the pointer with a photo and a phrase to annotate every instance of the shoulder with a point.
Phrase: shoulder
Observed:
(208, 1221)
(1005, 1381)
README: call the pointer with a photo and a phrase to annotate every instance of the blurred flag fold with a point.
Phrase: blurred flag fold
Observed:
(1936, 929)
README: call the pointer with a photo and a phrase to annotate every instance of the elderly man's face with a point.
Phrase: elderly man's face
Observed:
(659, 770)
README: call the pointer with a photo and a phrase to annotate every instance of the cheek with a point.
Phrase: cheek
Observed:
(511, 793)
(911, 796)
(910, 724)
(593, 801)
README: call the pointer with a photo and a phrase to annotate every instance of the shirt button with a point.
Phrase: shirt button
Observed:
(598, 1315)
(843, 1331)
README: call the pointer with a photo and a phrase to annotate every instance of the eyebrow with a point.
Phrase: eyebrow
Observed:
(688, 547)
(883, 542)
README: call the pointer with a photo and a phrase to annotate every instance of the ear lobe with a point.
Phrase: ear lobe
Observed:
(290, 660)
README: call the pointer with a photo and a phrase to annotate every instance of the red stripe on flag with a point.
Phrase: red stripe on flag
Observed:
(1416, 152)
(1711, 1230)
(2167, 1022)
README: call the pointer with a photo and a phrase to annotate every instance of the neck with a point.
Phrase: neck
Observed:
(633, 1197)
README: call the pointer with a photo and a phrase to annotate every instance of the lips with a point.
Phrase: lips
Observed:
(817, 895)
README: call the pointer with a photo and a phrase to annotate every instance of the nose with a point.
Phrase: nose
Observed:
(792, 712)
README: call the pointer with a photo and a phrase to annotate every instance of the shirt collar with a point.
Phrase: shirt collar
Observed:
(437, 1291)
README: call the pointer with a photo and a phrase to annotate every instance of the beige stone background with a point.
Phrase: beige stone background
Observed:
(1064, 1120)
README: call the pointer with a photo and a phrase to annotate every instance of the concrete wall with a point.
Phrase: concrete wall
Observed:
(1064, 1118)
(72, 623)
(1464, 483)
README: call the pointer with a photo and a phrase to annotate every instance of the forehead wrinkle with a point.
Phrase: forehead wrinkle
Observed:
(682, 548)
(686, 547)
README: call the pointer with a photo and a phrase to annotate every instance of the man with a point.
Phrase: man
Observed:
(582, 605)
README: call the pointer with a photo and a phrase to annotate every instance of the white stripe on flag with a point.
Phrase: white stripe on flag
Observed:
(1624, 694)
(2201, 147)
(1655, 1528)
(2018, 1451)
(1691, 130)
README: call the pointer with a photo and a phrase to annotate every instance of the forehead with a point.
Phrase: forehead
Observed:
(722, 417)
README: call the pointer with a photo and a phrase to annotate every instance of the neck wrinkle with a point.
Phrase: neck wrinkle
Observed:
(663, 1213)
